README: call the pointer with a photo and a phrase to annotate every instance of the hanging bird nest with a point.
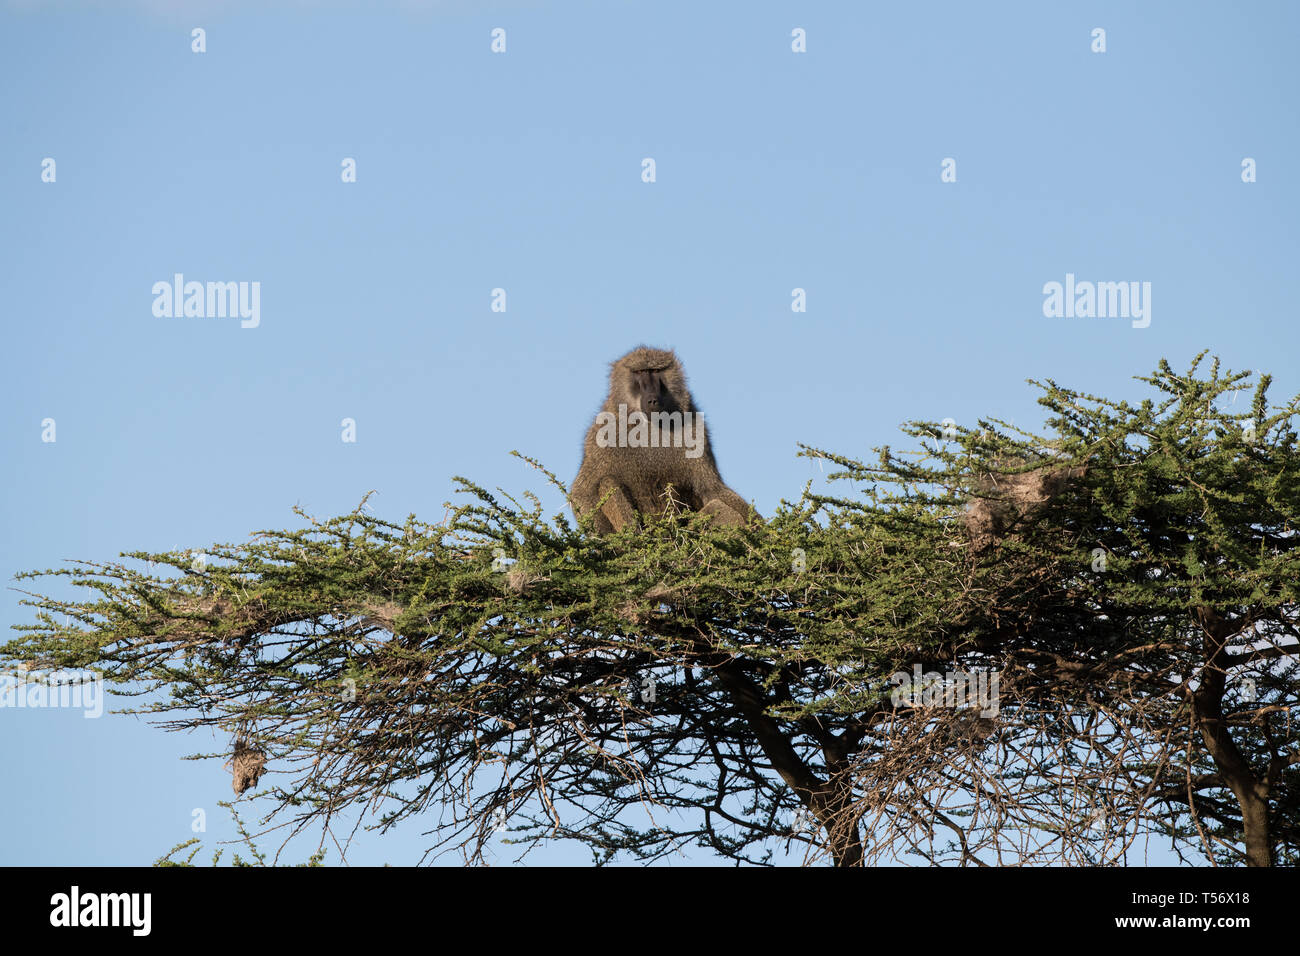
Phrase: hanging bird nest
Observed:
(246, 765)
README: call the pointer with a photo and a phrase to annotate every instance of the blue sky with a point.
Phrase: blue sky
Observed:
(522, 171)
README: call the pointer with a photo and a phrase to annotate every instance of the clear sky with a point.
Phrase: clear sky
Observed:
(522, 170)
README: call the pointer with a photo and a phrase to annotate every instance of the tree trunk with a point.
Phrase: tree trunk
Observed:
(845, 840)
(831, 810)
(1207, 709)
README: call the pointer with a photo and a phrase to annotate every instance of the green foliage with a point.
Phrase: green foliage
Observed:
(258, 857)
(497, 669)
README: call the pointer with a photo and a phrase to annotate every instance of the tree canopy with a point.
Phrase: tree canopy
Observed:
(997, 647)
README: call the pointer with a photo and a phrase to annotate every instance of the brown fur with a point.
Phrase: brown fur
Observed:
(637, 479)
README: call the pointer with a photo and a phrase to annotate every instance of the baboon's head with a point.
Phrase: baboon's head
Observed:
(649, 380)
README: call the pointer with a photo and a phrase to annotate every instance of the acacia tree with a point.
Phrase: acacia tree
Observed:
(1129, 581)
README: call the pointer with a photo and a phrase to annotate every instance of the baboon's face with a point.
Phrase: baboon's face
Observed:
(649, 392)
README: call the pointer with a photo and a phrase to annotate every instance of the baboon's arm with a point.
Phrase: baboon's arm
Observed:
(726, 507)
(617, 509)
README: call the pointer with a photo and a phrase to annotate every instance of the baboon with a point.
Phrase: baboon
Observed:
(649, 438)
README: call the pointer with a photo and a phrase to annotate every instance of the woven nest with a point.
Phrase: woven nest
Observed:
(1004, 501)
(520, 580)
(246, 765)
